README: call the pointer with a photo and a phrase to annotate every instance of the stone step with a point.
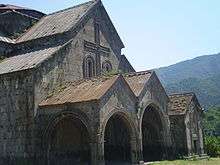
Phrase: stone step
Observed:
(197, 157)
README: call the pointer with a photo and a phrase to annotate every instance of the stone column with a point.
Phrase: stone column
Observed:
(134, 151)
(98, 149)
(188, 141)
(93, 147)
(141, 155)
(201, 142)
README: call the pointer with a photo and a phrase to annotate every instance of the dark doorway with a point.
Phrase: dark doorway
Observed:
(151, 138)
(195, 146)
(69, 143)
(117, 142)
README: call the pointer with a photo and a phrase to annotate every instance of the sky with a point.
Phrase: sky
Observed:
(156, 33)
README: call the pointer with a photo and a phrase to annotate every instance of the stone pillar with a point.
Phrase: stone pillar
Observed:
(141, 155)
(188, 141)
(93, 147)
(98, 157)
(134, 151)
(201, 140)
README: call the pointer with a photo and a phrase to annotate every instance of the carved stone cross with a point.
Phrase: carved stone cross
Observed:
(97, 48)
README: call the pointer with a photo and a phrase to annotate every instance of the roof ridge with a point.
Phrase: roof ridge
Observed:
(59, 11)
(7, 6)
(15, 11)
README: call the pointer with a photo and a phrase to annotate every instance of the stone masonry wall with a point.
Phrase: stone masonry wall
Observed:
(66, 65)
(16, 117)
(178, 130)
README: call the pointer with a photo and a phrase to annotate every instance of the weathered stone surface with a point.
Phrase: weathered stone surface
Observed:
(122, 116)
(185, 115)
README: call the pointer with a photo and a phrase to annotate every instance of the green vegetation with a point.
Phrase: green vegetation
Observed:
(212, 146)
(212, 121)
(212, 131)
(111, 73)
(1, 58)
(212, 161)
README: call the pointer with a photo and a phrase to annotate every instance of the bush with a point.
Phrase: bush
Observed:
(212, 146)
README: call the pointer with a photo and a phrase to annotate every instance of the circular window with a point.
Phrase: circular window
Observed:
(106, 66)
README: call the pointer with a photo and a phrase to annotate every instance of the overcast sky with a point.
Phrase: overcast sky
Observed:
(155, 32)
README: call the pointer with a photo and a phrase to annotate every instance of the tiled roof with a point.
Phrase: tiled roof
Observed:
(137, 81)
(27, 60)
(57, 22)
(179, 103)
(81, 91)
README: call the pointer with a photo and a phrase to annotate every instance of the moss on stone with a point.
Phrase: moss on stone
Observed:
(1, 58)
(111, 73)
(56, 90)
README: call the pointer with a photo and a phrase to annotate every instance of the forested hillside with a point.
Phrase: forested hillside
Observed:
(200, 75)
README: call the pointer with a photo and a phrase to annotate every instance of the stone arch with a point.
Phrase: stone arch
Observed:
(89, 67)
(68, 138)
(153, 130)
(120, 138)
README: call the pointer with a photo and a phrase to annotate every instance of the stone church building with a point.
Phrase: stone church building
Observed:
(68, 95)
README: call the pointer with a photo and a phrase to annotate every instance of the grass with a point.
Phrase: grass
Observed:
(211, 161)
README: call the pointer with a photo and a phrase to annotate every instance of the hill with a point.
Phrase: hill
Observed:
(200, 75)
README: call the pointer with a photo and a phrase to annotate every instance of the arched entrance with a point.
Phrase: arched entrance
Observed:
(152, 139)
(117, 139)
(69, 143)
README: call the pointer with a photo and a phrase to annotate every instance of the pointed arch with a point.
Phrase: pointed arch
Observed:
(67, 139)
(152, 128)
(120, 138)
(89, 67)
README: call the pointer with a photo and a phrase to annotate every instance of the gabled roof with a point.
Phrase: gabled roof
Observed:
(179, 103)
(137, 81)
(81, 91)
(58, 22)
(27, 60)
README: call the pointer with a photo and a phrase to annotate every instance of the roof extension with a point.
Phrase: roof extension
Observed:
(81, 91)
(27, 60)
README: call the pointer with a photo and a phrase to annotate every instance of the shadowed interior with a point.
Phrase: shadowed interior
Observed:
(117, 141)
(69, 143)
(151, 135)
